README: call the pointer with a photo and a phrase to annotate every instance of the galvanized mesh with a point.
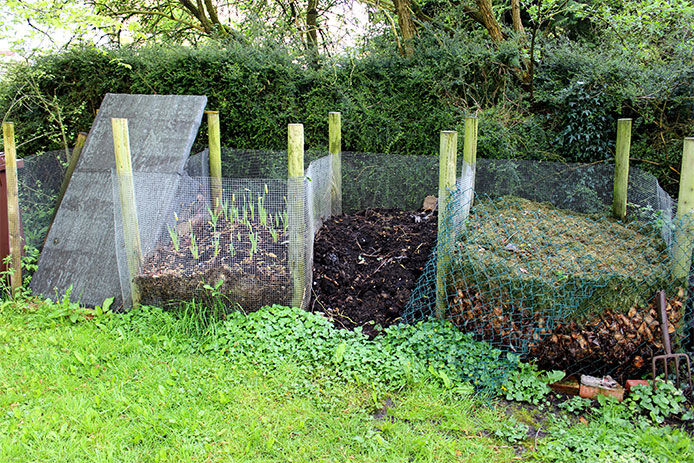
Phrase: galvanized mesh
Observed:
(249, 242)
(538, 268)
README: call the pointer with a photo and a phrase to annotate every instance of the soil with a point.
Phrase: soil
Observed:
(220, 254)
(367, 264)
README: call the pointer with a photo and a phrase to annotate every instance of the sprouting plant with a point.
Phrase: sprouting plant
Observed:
(173, 233)
(232, 251)
(244, 217)
(225, 209)
(194, 247)
(285, 221)
(214, 217)
(273, 233)
(252, 208)
(238, 235)
(215, 243)
(254, 243)
(262, 213)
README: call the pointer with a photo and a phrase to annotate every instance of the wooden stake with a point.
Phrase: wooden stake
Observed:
(215, 144)
(76, 153)
(469, 169)
(126, 189)
(12, 208)
(335, 146)
(621, 169)
(447, 162)
(295, 212)
(684, 233)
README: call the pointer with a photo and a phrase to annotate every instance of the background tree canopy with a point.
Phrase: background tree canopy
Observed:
(548, 78)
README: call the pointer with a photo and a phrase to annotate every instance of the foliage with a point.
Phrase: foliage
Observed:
(528, 384)
(512, 431)
(575, 404)
(663, 402)
(613, 434)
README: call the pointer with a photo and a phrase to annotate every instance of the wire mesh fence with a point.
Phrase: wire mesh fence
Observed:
(537, 268)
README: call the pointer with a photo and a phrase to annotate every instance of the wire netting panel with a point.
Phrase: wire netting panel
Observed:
(38, 186)
(248, 240)
(538, 267)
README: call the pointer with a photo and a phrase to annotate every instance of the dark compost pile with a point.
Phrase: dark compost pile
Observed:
(367, 264)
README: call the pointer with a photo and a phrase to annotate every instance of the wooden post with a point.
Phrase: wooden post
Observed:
(335, 147)
(126, 189)
(12, 208)
(215, 159)
(469, 169)
(684, 233)
(621, 169)
(296, 213)
(447, 164)
(76, 153)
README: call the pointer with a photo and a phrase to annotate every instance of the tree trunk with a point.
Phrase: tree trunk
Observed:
(515, 12)
(486, 17)
(312, 26)
(404, 10)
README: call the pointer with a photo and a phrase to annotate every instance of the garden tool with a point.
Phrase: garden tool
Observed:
(668, 355)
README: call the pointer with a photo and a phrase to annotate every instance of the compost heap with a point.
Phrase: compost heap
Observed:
(575, 292)
(240, 256)
(366, 265)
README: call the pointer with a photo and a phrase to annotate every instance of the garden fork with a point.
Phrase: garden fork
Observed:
(668, 355)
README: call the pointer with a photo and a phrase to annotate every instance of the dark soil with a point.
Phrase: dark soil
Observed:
(367, 264)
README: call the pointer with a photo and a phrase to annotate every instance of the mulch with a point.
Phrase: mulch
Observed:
(367, 264)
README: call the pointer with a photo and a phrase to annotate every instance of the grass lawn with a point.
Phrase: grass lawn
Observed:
(283, 385)
(92, 391)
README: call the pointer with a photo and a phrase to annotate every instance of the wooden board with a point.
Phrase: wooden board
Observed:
(81, 248)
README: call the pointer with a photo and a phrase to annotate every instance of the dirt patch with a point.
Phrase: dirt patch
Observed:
(243, 257)
(367, 264)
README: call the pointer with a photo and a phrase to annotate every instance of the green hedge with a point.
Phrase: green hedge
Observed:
(389, 104)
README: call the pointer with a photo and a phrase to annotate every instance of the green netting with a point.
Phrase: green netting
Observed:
(573, 291)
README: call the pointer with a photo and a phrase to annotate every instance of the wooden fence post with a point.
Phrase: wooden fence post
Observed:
(214, 140)
(335, 147)
(126, 189)
(447, 166)
(12, 207)
(76, 153)
(469, 169)
(684, 233)
(621, 169)
(296, 212)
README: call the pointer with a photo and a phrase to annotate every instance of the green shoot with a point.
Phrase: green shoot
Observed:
(194, 247)
(273, 232)
(215, 242)
(232, 251)
(254, 243)
(173, 233)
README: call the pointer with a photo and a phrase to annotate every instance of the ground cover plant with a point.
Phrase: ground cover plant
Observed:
(279, 384)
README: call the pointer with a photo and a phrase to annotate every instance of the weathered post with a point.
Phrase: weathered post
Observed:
(335, 147)
(621, 169)
(126, 189)
(76, 153)
(467, 187)
(684, 233)
(296, 213)
(447, 162)
(215, 144)
(12, 208)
